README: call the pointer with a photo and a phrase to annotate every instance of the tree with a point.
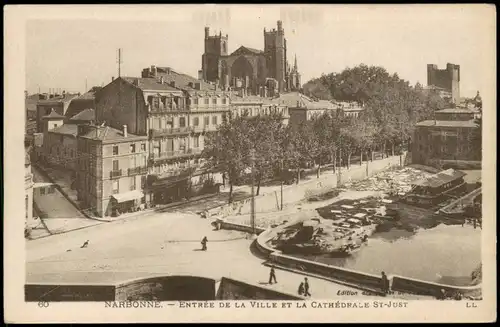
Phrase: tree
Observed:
(227, 149)
(264, 136)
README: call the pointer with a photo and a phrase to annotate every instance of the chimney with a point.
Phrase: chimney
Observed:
(200, 75)
(125, 133)
(197, 86)
(207, 32)
(172, 83)
(162, 81)
(112, 78)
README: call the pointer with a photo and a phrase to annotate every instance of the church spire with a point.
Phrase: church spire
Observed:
(295, 63)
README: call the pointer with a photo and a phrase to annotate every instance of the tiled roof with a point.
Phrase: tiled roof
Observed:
(448, 123)
(149, 84)
(53, 115)
(87, 115)
(65, 129)
(67, 97)
(106, 133)
(440, 178)
(77, 105)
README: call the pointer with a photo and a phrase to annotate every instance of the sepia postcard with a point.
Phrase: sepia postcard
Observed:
(250, 163)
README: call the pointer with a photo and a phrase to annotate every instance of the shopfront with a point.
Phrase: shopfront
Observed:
(127, 202)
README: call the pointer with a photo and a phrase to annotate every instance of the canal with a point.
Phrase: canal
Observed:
(443, 253)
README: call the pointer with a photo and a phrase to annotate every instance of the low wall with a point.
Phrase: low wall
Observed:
(231, 289)
(68, 293)
(167, 288)
(270, 202)
(364, 280)
(222, 224)
(410, 285)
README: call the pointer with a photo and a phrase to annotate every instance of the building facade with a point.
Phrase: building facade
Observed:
(445, 81)
(248, 68)
(112, 170)
(28, 186)
(446, 138)
(52, 102)
(175, 112)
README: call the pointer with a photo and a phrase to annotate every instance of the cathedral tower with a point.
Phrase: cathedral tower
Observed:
(215, 47)
(275, 51)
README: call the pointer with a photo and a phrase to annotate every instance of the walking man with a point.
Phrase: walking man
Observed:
(204, 243)
(272, 276)
(301, 288)
(306, 287)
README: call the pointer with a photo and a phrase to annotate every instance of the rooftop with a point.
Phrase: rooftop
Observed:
(440, 178)
(62, 98)
(106, 133)
(149, 84)
(182, 81)
(244, 49)
(53, 115)
(65, 129)
(448, 123)
(86, 114)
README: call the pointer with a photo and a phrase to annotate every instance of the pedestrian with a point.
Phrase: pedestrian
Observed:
(85, 244)
(272, 276)
(301, 288)
(385, 283)
(204, 243)
(306, 287)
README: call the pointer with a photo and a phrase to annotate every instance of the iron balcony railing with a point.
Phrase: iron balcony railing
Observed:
(175, 154)
(115, 173)
(137, 171)
(171, 131)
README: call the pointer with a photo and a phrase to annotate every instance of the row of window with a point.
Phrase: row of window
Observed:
(182, 122)
(132, 187)
(132, 148)
(157, 148)
(207, 101)
(50, 190)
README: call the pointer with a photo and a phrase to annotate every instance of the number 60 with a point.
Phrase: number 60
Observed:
(43, 304)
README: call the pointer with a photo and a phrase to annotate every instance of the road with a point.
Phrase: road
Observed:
(159, 243)
(58, 214)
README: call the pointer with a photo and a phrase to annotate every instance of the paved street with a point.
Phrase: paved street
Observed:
(58, 214)
(166, 243)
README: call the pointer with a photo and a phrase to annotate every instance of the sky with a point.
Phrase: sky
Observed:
(70, 49)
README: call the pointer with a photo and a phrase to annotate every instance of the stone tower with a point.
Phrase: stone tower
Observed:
(447, 79)
(215, 47)
(275, 52)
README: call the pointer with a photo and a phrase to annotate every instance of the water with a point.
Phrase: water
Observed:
(445, 253)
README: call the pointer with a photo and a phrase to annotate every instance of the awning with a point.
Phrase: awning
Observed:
(128, 196)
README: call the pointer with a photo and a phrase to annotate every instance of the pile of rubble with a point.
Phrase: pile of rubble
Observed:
(393, 182)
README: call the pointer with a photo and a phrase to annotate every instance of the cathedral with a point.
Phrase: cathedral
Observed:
(253, 71)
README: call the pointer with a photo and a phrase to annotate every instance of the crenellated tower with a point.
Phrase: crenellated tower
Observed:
(215, 47)
(275, 51)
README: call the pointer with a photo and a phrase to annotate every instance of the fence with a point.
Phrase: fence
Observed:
(294, 193)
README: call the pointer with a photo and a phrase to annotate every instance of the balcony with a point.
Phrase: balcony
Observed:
(171, 131)
(137, 171)
(115, 173)
(175, 154)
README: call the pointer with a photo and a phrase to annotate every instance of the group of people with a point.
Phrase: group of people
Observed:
(303, 287)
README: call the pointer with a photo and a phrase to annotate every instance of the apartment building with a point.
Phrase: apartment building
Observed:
(174, 111)
(446, 138)
(112, 170)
